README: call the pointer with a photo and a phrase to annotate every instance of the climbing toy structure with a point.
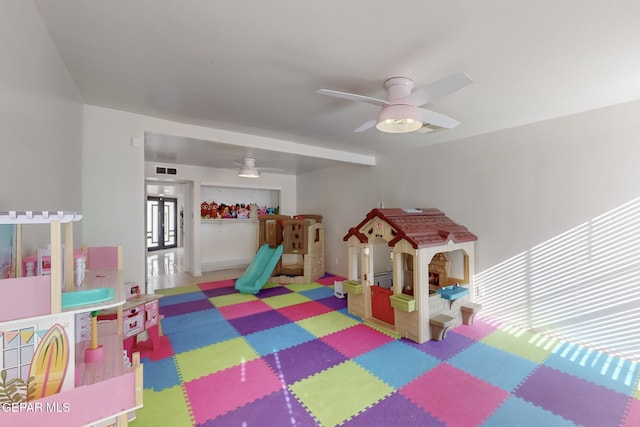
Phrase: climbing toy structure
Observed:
(302, 239)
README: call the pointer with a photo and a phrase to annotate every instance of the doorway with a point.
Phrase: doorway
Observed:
(161, 223)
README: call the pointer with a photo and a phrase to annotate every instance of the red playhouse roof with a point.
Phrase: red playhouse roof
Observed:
(420, 227)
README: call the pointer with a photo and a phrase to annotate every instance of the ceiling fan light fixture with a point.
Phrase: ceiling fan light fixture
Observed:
(399, 118)
(246, 172)
(248, 169)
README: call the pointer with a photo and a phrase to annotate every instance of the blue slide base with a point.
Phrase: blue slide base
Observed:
(260, 269)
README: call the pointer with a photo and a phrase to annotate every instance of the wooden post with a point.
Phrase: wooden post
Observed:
(56, 267)
(68, 256)
(19, 250)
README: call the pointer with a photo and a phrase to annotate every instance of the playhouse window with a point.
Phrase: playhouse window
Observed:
(17, 352)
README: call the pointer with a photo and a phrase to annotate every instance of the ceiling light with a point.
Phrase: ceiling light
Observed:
(399, 118)
(247, 172)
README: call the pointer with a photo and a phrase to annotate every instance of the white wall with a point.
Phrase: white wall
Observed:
(41, 122)
(343, 195)
(555, 206)
(199, 177)
(519, 187)
(113, 188)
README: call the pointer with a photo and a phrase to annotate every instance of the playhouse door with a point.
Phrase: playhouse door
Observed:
(381, 304)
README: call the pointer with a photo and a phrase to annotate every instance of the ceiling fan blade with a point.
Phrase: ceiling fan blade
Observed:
(352, 97)
(438, 119)
(438, 89)
(366, 125)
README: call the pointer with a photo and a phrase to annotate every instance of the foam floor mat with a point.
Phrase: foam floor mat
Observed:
(293, 356)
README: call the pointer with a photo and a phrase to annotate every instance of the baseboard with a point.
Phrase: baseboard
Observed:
(225, 265)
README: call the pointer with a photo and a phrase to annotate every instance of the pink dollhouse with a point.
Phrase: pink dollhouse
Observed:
(62, 380)
(429, 289)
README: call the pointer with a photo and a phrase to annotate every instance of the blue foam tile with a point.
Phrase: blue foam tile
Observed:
(278, 338)
(318, 293)
(592, 365)
(180, 298)
(396, 363)
(187, 321)
(518, 412)
(498, 367)
(193, 338)
(160, 374)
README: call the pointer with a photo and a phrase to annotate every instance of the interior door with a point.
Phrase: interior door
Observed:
(381, 308)
(161, 223)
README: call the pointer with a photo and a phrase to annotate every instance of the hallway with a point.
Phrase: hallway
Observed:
(166, 269)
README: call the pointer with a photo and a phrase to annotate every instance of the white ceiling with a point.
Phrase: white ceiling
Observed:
(254, 67)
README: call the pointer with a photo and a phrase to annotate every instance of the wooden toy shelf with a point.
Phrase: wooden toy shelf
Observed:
(84, 393)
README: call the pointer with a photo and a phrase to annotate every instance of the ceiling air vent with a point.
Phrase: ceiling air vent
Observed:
(172, 171)
(161, 170)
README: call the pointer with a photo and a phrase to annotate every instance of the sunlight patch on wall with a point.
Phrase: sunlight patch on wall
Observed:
(583, 285)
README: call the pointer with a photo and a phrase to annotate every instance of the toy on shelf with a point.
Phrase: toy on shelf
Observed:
(214, 210)
(419, 299)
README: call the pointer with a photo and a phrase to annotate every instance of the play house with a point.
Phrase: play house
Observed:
(302, 238)
(428, 289)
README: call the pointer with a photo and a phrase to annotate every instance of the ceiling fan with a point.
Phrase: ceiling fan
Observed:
(248, 168)
(401, 112)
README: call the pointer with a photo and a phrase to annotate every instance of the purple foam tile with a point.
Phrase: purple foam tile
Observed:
(186, 307)
(280, 408)
(258, 322)
(396, 410)
(443, 350)
(334, 302)
(272, 292)
(217, 292)
(301, 361)
(573, 398)
(328, 279)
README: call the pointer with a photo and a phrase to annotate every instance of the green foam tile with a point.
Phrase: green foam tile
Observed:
(269, 285)
(163, 408)
(337, 394)
(519, 342)
(213, 358)
(285, 300)
(299, 287)
(328, 323)
(636, 389)
(232, 299)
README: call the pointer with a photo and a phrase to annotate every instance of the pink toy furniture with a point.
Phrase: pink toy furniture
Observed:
(140, 313)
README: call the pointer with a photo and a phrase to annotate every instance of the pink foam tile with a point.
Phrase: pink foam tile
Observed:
(163, 351)
(304, 310)
(328, 280)
(356, 340)
(633, 414)
(455, 397)
(216, 394)
(478, 330)
(235, 311)
(216, 285)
